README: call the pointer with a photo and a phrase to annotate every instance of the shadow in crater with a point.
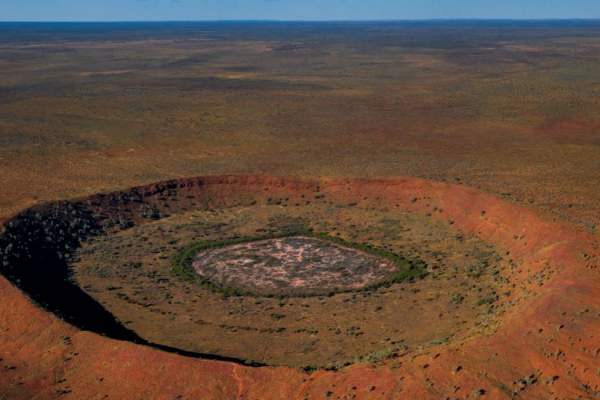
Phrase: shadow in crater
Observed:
(35, 250)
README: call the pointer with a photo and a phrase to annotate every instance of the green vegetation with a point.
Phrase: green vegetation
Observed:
(488, 300)
(380, 355)
(323, 330)
(457, 298)
(406, 269)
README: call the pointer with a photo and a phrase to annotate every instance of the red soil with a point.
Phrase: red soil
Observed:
(553, 333)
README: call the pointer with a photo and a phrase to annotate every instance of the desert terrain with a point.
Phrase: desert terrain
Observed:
(469, 146)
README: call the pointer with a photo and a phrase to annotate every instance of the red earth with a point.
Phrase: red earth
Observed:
(546, 346)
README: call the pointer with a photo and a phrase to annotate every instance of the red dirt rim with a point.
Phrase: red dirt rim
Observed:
(547, 346)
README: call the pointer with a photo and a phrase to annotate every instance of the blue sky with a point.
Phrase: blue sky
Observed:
(128, 10)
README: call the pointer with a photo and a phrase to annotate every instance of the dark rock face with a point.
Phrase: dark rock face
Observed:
(35, 249)
(37, 245)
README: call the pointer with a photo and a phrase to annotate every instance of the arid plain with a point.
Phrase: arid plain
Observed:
(495, 123)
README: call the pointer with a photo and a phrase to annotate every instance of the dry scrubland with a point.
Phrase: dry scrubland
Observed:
(511, 109)
(509, 308)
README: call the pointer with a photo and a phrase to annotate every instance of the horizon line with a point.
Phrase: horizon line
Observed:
(484, 19)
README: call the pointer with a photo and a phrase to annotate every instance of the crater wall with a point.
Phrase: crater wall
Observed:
(546, 346)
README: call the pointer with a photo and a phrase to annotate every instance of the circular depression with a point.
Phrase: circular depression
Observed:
(293, 265)
(116, 252)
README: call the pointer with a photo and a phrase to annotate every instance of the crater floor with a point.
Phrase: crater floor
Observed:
(297, 264)
(488, 320)
(130, 274)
